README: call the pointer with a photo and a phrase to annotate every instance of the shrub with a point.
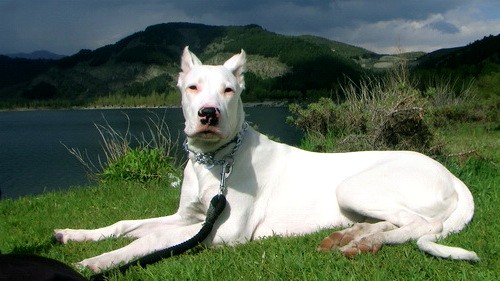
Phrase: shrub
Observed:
(387, 113)
(317, 118)
(150, 159)
(142, 165)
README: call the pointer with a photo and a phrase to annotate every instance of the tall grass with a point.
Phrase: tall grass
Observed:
(449, 91)
(149, 156)
(381, 113)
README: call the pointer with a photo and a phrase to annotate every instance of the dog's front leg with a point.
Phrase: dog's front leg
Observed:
(130, 228)
(145, 245)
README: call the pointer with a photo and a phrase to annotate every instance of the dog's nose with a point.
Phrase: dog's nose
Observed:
(209, 115)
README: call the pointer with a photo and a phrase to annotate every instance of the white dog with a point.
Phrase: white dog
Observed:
(275, 189)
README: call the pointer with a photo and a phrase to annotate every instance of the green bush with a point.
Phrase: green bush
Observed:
(142, 165)
(148, 158)
(317, 118)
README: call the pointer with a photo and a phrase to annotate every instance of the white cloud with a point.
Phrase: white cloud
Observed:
(453, 28)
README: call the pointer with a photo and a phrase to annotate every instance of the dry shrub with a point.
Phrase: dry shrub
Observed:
(378, 114)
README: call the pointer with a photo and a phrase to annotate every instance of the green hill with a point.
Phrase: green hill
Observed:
(479, 61)
(470, 58)
(280, 67)
(147, 62)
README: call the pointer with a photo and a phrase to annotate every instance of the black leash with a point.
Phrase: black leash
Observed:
(216, 207)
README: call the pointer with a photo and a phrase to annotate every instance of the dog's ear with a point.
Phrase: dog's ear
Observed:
(237, 65)
(188, 60)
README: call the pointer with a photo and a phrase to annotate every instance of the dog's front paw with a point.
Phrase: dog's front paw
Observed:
(95, 264)
(61, 235)
(64, 235)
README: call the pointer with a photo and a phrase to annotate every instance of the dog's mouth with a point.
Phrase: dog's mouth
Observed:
(207, 133)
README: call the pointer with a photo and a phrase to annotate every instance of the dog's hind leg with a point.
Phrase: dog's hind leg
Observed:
(411, 227)
(406, 227)
(341, 238)
(415, 198)
(396, 226)
(369, 238)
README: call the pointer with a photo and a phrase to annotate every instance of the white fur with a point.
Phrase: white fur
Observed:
(276, 189)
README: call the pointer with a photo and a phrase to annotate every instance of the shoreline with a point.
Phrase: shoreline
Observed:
(247, 104)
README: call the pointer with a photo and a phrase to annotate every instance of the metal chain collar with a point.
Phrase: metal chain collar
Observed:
(209, 159)
(226, 161)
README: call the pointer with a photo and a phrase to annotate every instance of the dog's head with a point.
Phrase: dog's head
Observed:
(211, 100)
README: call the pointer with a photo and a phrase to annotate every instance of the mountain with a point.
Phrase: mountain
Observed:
(470, 59)
(148, 62)
(476, 64)
(36, 55)
(16, 71)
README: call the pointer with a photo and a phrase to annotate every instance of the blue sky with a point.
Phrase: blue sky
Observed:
(383, 26)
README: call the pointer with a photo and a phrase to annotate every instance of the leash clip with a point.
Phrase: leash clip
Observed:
(226, 170)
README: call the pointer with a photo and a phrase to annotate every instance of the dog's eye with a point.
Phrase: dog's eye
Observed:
(228, 90)
(193, 88)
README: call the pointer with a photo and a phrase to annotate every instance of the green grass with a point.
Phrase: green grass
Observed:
(469, 139)
(27, 223)
(124, 100)
(26, 226)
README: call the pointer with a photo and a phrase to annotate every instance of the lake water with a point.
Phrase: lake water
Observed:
(33, 158)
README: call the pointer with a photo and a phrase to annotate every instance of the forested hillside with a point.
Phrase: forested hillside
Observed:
(280, 67)
(147, 62)
(478, 62)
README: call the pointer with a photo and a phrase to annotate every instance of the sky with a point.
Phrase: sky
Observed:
(383, 26)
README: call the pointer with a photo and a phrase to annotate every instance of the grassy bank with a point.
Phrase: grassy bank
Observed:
(26, 225)
(152, 100)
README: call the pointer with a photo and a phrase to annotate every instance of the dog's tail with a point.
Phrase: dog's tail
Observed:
(455, 222)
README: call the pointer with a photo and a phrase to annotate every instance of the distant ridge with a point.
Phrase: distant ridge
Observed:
(147, 62)
(475, 53)
(280, 67)
(37, 55)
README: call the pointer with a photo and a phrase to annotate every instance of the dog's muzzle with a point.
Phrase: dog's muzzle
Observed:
(209, 115)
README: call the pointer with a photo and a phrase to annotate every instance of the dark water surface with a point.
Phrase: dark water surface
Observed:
(33, 159)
